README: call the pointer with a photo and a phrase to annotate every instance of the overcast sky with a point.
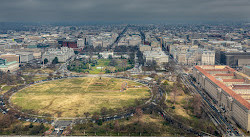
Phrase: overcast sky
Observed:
(124, 11)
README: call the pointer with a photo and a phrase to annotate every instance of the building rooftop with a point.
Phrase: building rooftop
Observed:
(227, 89)
(233, 80)
(243, 86)
(228, 74)
(10, 63)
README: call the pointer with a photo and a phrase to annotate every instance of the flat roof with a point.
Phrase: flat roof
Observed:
(233, 80)
(3, 66)
(9, 63)
(237, 97)
(228, 74)
(247, 67)
(216, 69)
(243, 86)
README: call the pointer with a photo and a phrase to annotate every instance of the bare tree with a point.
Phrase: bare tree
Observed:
(139, 113)
(58, 74)
(50, 76)
(95, 116)
(117, 126)
(174, 91)
(197, 105)
(104, 111)
(87, 114)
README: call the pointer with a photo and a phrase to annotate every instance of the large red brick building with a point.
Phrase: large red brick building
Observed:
(71, 44)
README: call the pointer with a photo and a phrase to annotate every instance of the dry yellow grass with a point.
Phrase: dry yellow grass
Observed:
(73, 97)
(179, 110)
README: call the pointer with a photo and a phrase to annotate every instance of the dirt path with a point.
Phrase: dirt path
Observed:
(50, 103)
(91, 81)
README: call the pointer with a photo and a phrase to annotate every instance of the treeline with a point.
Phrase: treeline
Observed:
(192, 105)
(126, 49)
(80, 65)
(10, 79)
(136, 126)
(9, 125)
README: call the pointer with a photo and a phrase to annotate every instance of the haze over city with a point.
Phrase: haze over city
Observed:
(125, 11)
(124, 68)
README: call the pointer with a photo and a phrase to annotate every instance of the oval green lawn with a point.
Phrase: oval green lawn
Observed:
(73, 97)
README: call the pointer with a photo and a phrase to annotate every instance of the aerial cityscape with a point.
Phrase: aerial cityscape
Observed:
(124, 68)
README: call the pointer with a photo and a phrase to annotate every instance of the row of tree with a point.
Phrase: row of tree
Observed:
(9, 125)
(54, 61)
(10, 79)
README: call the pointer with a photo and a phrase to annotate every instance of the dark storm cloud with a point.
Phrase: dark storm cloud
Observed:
(124, 10)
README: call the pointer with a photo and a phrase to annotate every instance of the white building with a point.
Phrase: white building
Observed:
(25, 57)
(208, 58)
(62, 54)
(159, 56)
(80, 43)
(106, 55)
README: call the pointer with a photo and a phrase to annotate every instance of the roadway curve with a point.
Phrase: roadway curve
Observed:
(32, 116)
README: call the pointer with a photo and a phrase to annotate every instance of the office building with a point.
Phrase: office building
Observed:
(62, 54)
(8, 66)
(229, 89)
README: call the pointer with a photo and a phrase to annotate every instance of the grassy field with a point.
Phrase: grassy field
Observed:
(101, 63)
(73, 97)
(105, 64)
(101, 66)
(4, 89)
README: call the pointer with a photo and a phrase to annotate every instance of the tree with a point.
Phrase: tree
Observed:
(152, 65)
(131, 58)
(124, 64)
(76, 52)
(154, 90)
(95, 116)
(110, 57)
(140, 57)
(197, 105)
(98, 48)
(31, 125)
(104, 111)
(87, 114)
(5, 121)
(174, 91)
(117, 126)
(113, 63)
(55, 60)
(50, 76)
(139, 113)
(37, 129)
(58, 74)
(45, 61)
(99, 56)
(169, 66)
(178, 80)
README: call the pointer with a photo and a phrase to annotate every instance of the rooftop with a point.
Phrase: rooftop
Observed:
(247, 67)
(220, 84)
(243, 86)
(233, 80)
(228, 74)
